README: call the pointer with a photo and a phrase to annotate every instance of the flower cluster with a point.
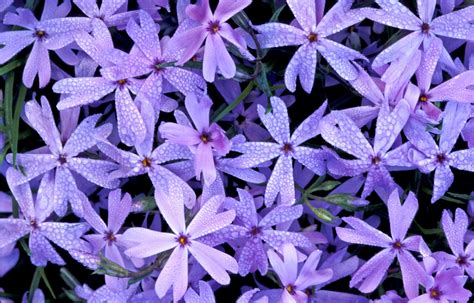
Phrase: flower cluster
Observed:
(251, 151)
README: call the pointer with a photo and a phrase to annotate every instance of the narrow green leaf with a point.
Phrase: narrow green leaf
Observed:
(34, 283)
(445, 198)
(15, 126)
(8, 101)
(461, 196)
(10, 66)
(68, 278)
(45, 280)
(277, 13)
(234, 103)
(326, 186)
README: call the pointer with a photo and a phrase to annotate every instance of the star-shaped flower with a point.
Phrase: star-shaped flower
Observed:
(287, 147)
(369, 276)
(212, 28)
(34, 223)
(183, 240)
(54, 31)
(59, 159)
(340, 131)
(311, 35)
(428, 156)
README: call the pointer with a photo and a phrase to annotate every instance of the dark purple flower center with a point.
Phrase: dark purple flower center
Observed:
(40, 34)
(425, 27)
(183, 240)
(312, 37)
(440, 158)
(62, 159)
(34, 224)
(291, 289)
(287, 148)
(331, 248)
(146, 162)
(352, 29)
(240, 119)
(110, 237)
(376, 160)
(461, 260)
(205, 138)
(214, 27)
(435, 293)
(254, 231)
(423, 98)
(397, 245)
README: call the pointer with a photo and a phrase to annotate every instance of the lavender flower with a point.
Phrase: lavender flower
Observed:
(369, 276)
(286, 148)
(53, 31)
(311, 35)
(212, 28)
(183, 240)
(202, 140)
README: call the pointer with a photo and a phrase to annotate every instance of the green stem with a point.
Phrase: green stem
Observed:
(234, 103)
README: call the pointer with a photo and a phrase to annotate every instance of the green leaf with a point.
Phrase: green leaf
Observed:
(237, 101)
(341, 200)
(326, 186)
(8, 101)
(144, 204)
(277, 13)
(35, 283)
(445, 198)
(323, 214)
(10, 66)
(45, 280)
(15, 126)
(68, 278)
(461, 196)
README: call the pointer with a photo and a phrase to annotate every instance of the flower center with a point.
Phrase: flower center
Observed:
(110, 237)
(290, 289)
(435, 293)
(214, 27)
(287, 148)
(62, 159)
(40, 34)
(34, 224)
(397, 245)
(205, 138)
(146, 162)
(440, 158)
(122, 82)
(255, 231)
(183, 240)
(423, 98)
(425, 27)
(240, 119)
(376, 160)
(312, 37)
(461, 260)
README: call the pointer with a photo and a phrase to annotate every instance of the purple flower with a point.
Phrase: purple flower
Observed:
(287, 147)
(251, 232)
(54, 31)
(369, 276)
(294, 284)
(111, 12)
(206, 294)
(107, 236)
(35, 224)
(455, 232)
(311, 35)
(61, 160)
(183, 240)
(428, 156)
(153, 58)
(203, 139)
(212, 28)
(447, 286)
(424, 29)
